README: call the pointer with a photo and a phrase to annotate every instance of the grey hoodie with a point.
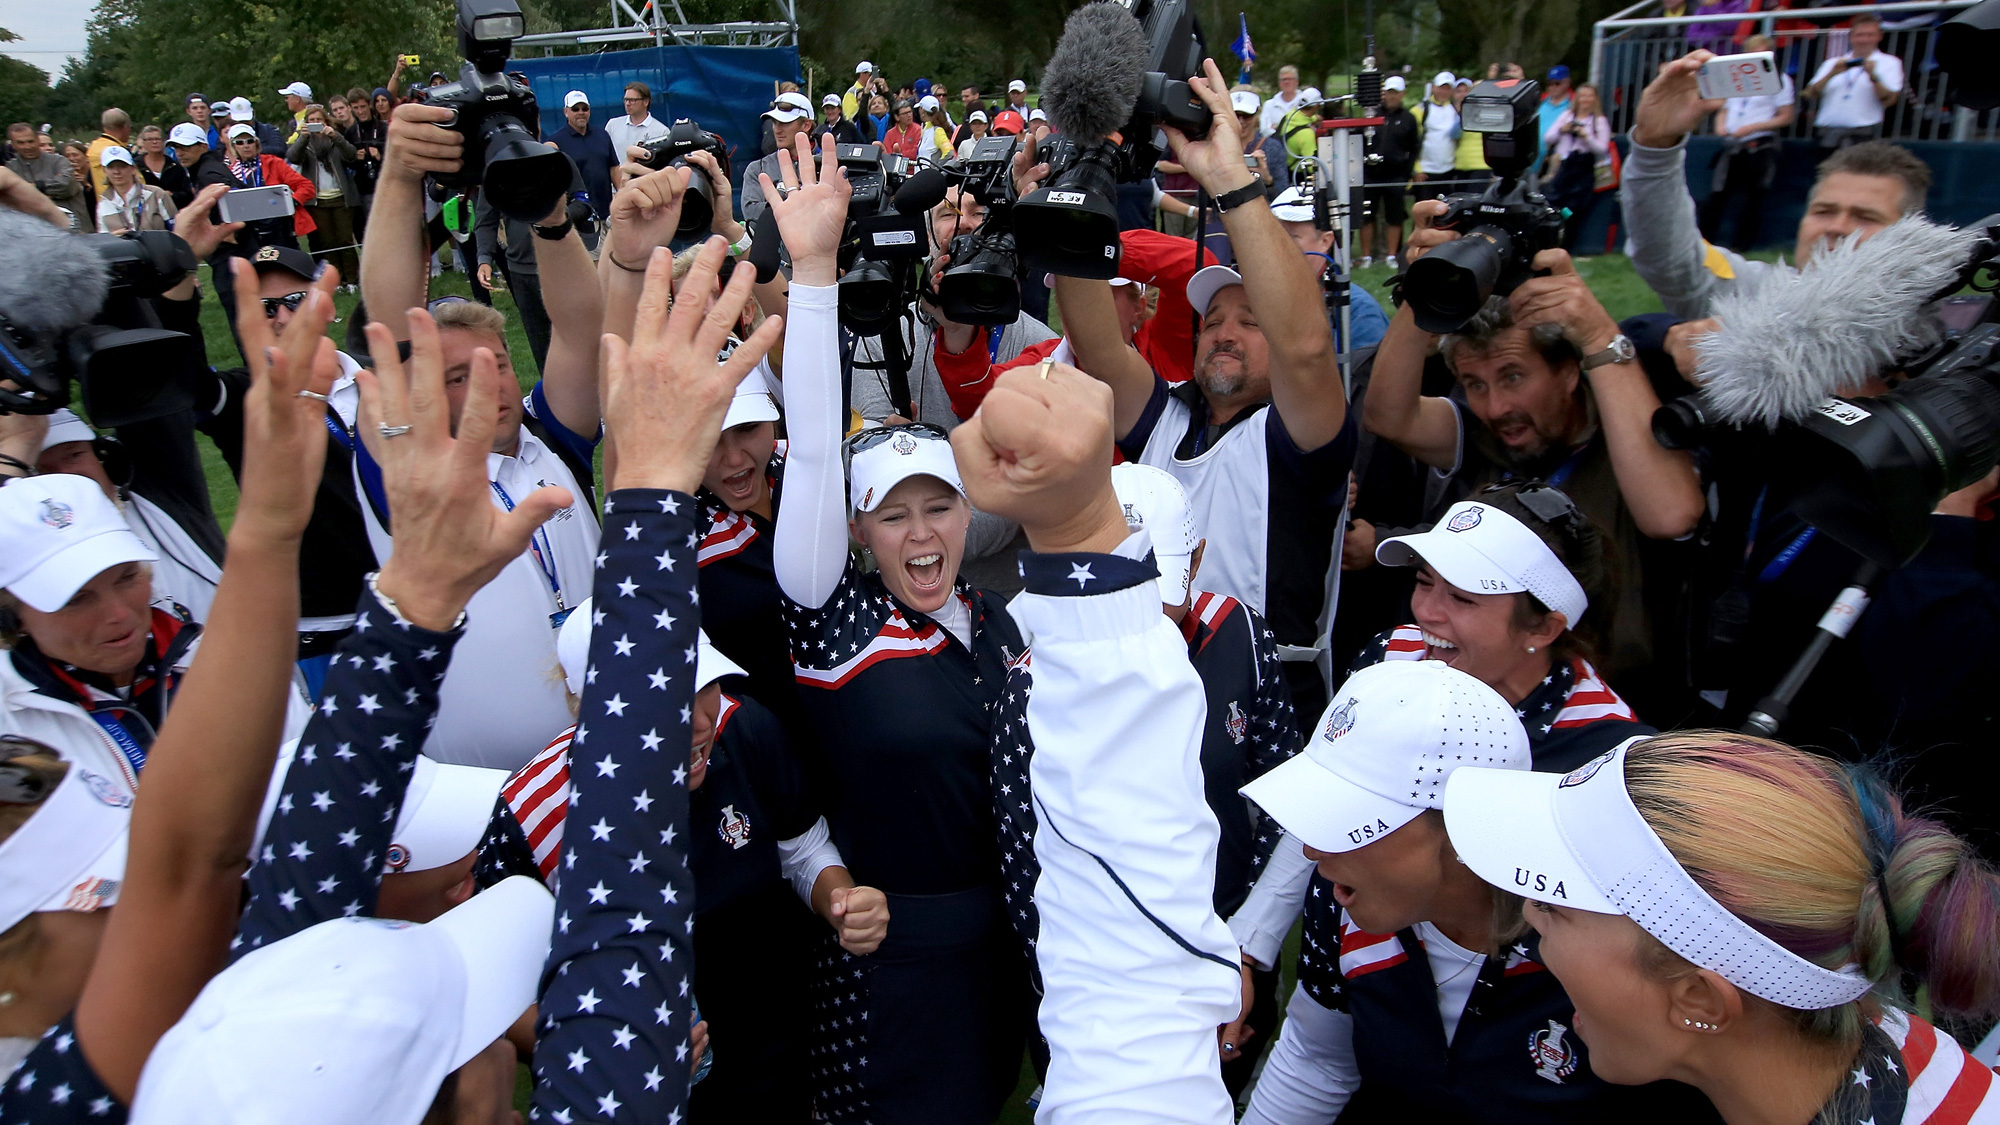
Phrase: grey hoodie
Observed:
(1664, 242)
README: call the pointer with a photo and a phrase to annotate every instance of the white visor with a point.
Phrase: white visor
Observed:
(444, 814)
(70, 855)
(1483, 550)
(753, 401)
(1577, 840)
(874, 471)
(1155, 503)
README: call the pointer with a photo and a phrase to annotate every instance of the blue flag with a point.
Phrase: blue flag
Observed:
(1244, 49)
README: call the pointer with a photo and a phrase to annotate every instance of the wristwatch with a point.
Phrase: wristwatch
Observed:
(1620, 350)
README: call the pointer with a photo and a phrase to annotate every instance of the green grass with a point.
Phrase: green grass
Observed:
(222, 353)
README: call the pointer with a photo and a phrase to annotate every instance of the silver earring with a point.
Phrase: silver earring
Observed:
(1531, 648)
(6, 999)
(1697, 1024)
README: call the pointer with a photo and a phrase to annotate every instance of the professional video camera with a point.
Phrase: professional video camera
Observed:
(883, 242)
(983, 283)
(1502, 228)
(1118, 74)
(671, 151)
(522, 177)
(77, 308)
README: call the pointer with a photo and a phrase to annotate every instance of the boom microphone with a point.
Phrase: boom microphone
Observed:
(922, 191)
(1804, 335)
(50, 279)
(1093, 79)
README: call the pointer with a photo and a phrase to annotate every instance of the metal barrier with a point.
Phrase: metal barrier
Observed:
(1627, 49)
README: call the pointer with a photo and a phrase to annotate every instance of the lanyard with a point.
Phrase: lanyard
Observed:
(346, 439)
(127, 745)
(1785, 558)
(992, 346)
(545, 555)
(1561, 476)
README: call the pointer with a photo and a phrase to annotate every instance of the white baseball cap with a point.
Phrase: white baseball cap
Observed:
(238, 132)
(976, 115)
(240, 110)
(573, 650)
(753, 401)
(1461, 82)
(1444, 78)
(830, 99)
(187, 133)
(1155, 502)
(1483, 550)
(1017, 87)
(575, 98)
(1394, 82)
(1245, 101)
(885, 457)
(1310, 96)
(115, 154)
(444, 814)
(1383, 750)
(1206, 283)
(299, 88)
(1293, 205)
(66, 427)
(70, 854)
(355, 1019)
(1036, 114)
(61, 531)
(927, 102)
(1577, 840)
(790, 106)
(864, 67)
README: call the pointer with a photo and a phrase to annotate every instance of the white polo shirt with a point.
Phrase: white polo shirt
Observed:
(1738, 112)
(1848, 101)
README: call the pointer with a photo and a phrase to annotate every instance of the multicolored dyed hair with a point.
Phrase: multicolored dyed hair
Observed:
(1822, 859)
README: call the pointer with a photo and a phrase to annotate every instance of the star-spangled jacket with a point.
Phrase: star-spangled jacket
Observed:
(1250, 728)
(322, 855)
(1514, 1057)
(1137, 970)
(616, 995)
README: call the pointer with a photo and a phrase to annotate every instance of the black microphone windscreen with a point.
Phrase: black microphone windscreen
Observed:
(922, 191)
(765, 243)
(1092, 80)
(51, 279)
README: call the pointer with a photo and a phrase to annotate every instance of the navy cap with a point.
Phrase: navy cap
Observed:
(1558, 73)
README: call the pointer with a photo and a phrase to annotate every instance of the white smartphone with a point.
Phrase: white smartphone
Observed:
(245, 205)
(1740, 76)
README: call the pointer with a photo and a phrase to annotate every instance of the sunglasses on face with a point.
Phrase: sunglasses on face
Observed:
(290, 301)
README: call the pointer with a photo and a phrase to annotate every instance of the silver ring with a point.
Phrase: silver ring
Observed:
(391, 431)
(314, 394)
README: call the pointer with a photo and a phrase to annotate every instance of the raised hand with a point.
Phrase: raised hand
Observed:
(665, 395)
(1561, 298)
(201, 233)
(1216, 162)
(644, 214)
(284, 412)
(420, 143)
(1038, 452)
(812, 210)
(1672, 105)
(450, 537)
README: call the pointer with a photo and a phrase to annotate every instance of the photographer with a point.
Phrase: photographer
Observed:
(1548, 388)
(1859, 189)
(1854, 90)
(1392, 151)
(1748, 162)
(1270, 493)
(499, 710)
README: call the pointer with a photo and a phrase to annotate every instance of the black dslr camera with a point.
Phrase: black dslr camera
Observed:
(522, 177)
(982, 285)
(671, 151)
(1069, 225)
(1503, 228)
(129, 368)
(881, 245)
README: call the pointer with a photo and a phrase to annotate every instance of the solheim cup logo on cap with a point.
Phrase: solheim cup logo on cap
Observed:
(105, 792)
(397, 858)
(1464, 521)
(57, 514)
(867, 496)
(1340, 720)
(903, 444)
(1551, 1053)
(1586, 771)
(735, 827)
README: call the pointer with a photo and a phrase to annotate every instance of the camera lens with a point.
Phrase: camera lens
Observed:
(981, 288)
(697, 203)
(868, 297)
(1070, 227)
(523, 177)
(1447, 286)
(1682, 423)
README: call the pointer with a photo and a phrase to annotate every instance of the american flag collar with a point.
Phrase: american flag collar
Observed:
(917, 619)
(1544, 703)
(712, 507)
(1876, 1088)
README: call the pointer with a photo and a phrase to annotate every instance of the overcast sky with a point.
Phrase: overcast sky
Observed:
(50, 33)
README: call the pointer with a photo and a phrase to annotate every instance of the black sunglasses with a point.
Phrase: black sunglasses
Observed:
(290, 301)
(870, 438)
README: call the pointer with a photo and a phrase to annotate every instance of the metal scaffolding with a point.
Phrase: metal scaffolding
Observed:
(661, 22)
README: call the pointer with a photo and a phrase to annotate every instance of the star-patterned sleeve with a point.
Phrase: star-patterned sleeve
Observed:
(616, 1001)
(322, 855)
(1274, 728)
(55, 1084)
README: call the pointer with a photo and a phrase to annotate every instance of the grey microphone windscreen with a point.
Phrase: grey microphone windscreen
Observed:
(49, 279)
(1798, 337)
(1092, 80)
